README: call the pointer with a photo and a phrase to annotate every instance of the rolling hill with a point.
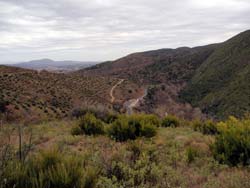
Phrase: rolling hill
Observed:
(54, 66)
(210, 80)
(214, 77)
(39, 95)
(42, 95)
(220, 86)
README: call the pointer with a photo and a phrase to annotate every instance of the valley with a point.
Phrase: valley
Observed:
(124, 94)
(191, 83)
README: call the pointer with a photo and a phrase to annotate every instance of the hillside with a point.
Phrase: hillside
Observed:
(220, 85)
(42, 95)
(214, 77)
(163, 72)
(39, 95)
(158, 66)
(191, 83)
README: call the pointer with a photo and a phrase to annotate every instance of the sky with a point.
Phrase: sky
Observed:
(100, 30)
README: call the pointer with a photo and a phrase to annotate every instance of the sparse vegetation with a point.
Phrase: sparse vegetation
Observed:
(48, 95)
(173, 157)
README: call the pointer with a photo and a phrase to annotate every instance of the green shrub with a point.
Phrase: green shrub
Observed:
(76, 130)
(47, 159)
(131, 127)
(90, 125)
(135, 150)
(148, 130)
(91, 178)
(64, 175)
(191, 154)
(208, 127)
(232, 145)
(122, 130)
(196, 125)
(45, 170)
(170, 121)
(150, 119)
(110, 118)
(141, 173)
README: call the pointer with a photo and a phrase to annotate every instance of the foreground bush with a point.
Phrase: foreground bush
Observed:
(47, 170)
(232, 145)
(142, 170)
(170, 121)
(89, 125)
(131, 127)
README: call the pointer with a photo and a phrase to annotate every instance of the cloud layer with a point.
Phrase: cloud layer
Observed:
(108, 29)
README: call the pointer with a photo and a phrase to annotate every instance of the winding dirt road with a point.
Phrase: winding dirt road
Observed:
(111, 93)
(132, 103)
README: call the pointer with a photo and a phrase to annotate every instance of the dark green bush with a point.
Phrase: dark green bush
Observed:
(131, 127)
(148, 130)
(170, 121)
(122, 130)
(76, 130)
(110, 118)
(232, 145)
(150, 119)
(90, 125)
(208, 127)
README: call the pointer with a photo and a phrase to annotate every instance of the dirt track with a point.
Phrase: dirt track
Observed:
(111, 93)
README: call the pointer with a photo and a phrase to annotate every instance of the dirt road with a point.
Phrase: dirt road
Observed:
(111, 93)
(132, 103)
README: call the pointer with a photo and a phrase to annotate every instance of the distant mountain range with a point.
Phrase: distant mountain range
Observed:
(54, 66)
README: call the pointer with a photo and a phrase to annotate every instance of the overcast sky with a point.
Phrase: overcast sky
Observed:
(99, 30)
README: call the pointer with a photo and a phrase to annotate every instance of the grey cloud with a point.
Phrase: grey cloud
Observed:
(108, 29)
